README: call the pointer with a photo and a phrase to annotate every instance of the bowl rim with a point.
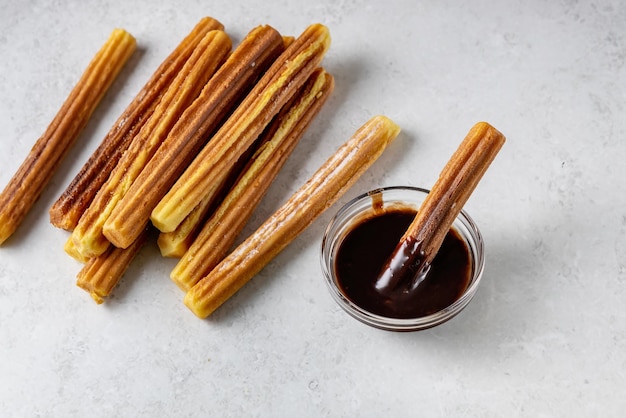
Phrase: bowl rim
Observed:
(471, 235)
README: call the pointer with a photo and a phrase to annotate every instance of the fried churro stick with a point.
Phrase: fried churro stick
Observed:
(211, 52)
(258, 50)
(101, 274)
(220, 232)
(335, 176)
(44, 158)
(458, 179)
(69, 207)
(209, 170)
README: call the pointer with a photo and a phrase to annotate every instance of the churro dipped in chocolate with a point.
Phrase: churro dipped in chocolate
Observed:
(209, 170)
(33, 175)
(77, 197)
(258, 50)
(335, 176)
(414, 253)
(224, 226)
(210, 53)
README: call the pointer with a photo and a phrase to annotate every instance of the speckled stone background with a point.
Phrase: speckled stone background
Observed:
(545, 335)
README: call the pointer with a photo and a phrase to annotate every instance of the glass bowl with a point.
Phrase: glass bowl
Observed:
(361, 206)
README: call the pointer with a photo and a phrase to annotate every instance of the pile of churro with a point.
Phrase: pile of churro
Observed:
(191, 157)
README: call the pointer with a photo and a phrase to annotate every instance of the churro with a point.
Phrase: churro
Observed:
(33, 175)
(458, 179)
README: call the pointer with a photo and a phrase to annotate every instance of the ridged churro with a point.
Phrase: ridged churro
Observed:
(101, 274)
(33, 175)
(69, 207)
(224, 91)
(209, 170)
(220, 232)
(335, 176)
(210, 53)
(458, 179)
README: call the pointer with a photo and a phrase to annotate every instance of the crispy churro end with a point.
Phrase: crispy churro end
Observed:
(124, 34)
(199, 309)
(71, 250)
(112, 230)
(6, 228)
(181, 283)
(485, 128)
(322, 32)
(61, 219)
(161, 225)
(169, 247)
(385, 126)
(86, 286)
(210, 22)
(96, 298)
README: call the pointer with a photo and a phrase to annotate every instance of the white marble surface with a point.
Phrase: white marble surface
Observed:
(544, 337)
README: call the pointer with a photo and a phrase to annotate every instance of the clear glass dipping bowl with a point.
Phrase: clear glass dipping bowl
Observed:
(349, 215)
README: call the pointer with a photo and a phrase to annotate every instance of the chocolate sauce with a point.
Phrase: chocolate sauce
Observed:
(365, 250)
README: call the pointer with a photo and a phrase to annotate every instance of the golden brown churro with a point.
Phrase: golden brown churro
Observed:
(207, 57)
(101, 274)
(46, 155)
(213, 165)
(458, 179)
(335, 176)
(224, 226)
(70, 206)
(222, 93)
